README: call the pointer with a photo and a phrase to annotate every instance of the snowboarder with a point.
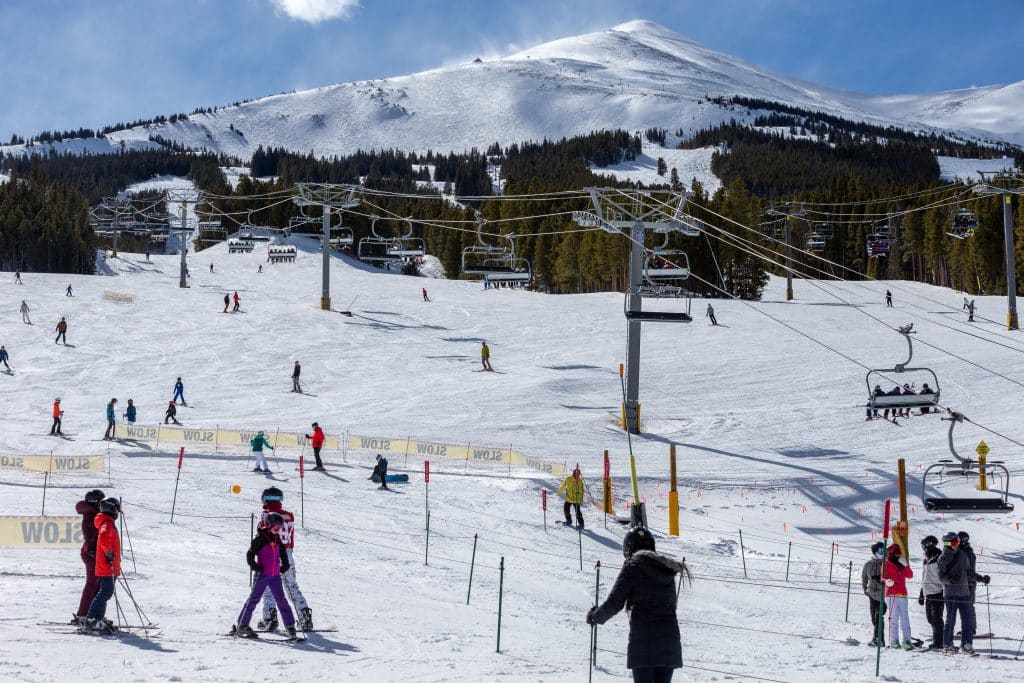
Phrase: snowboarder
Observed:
(953, 569)
(24, 313)
(237, 303)
(296, 371)
(871, 584)
(272, 504)
(111, 419)
(970, 311)
(381, 470)
(88, 507)
(317, 438)
(425, 297)
(227, 302)
(170, 415)
(973, 579)
(62, 332)
(67, 292)
(58, 415)
(17, 278)
(108, 564)
(256, 444)
(266, 559)
(646, 587)
(931, 589)
(711, 314)
(888, 299)
(897, 571)
(572, 490)
(129, 412)
(485, 356)
(4, 356)
(179, 392)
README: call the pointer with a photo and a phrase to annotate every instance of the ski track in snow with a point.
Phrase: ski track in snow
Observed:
(768, 425)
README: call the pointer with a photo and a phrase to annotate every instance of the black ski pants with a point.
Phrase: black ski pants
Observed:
(933, 608)
(316, 454)
(111, 426)
(877, 608)
(567, 509)
(659, 674)
(55, 429)
(61, 336)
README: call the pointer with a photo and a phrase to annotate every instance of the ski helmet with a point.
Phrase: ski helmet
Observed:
(929, 542)
(637, 538)
(877, 548)
(950, 539)
(965, 538)
(95, 496)
(110, 506)
(272, 520)
(272, 494)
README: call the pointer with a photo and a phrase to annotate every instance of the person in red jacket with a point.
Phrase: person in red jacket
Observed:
(317, 438)
(896, 573)
(108, 564)
(88, 507)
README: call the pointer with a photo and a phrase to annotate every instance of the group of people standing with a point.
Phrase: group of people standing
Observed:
(948, 588)
(101, 555)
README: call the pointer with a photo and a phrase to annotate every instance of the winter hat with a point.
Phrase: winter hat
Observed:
(877, 549)
(894, 550)
(950, 539)
(379, 456)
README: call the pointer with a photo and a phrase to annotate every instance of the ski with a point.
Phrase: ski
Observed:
(270, 639)
(148, 627)
(328, 629)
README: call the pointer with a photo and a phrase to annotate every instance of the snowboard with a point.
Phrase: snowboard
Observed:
(392, 478)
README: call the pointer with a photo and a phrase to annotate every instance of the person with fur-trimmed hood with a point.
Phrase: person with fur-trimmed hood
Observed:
(646, 587)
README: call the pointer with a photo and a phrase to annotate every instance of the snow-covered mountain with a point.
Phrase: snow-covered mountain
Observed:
(633, 76)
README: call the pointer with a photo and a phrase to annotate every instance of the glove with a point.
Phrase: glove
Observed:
(920, 598)
(109, 555)
(590, 616)
(902, 560)
(985, 579)
(890, 583)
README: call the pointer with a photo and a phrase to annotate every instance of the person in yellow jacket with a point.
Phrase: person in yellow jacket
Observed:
(572, 490)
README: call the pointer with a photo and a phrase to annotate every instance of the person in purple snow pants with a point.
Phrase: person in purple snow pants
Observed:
(266, 559)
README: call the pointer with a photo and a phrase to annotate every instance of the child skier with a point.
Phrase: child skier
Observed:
(266, 559)
(931, 589)
(272, 503)
(871, 584)
(58, 416)
(179, 392)
(572, 489)
(170, 415)
(4, 356)
(129, 412)
(257, 443)
(108, 564)
(897, 571)
(88, 507)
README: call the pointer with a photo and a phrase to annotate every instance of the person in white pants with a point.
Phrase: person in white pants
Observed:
(257, 443)
(272, 503)
(24, 314)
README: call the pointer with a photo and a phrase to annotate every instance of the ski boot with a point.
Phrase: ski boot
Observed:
(967, 649)
(77, 620)
(306, 622)
(243, 631)
(269, 624)
(907, 645)
(292, 634)
(873, 642)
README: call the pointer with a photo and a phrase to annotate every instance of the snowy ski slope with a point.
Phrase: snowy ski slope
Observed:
(771, 441)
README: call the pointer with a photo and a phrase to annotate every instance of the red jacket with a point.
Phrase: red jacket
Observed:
(898, 574)
(318, 437)
(107, 541)
(287, 533)
(88, 511)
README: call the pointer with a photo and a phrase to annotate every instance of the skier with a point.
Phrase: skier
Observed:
(871, 584)
(897, 571)
(973, 579)
(296, 371)
(485, 356)
(17, 278)
(111, 419)
(965, 303)
(272, 504)
(129, 412)
(260, 269)
(88, 507)
(646, 587)
(425, 297)
(147, 254)
(170, 415)
(58, 415)
(237, 303)
(970, 311)
(227, 301)
(257, 443)
(24, 313)
(572, 489)
(4, 356)
(877, 392)
(711, 314)
(953, 569)
(108, 564)
(925, 389)
(381, 470)
(931, 589)
(317, 438)
(67, 292)
(179, 392)
(266, 559)
(211, 267)
(888, 299)
(62, 332)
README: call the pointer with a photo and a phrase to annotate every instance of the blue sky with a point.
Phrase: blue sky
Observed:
(71, 63)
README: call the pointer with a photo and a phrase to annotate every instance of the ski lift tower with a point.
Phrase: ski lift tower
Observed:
(184, 197)
(987, 188)
(619, 210)
(788, 211)
(327, 196)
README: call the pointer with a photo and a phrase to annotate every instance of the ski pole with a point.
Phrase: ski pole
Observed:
(789, 553)
(46, 479)
(472, 564)
(124, 527)
(501, 592)
(991, 635)
(849, 581)
(593, 629)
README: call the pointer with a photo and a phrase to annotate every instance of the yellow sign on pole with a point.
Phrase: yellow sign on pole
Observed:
(982, 449)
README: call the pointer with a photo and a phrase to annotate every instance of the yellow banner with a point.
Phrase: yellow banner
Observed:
(41, 532)
(437, 449)
(65, 464)
(212, 438)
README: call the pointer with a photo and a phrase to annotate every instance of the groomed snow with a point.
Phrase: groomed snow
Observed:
(771, 440)
(966, 170)
(691, 164)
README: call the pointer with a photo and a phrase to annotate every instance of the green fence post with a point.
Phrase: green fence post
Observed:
(849, 581)
(743, 555)
(472, 563)
(501, 590)
(789, 554)
(426, 549)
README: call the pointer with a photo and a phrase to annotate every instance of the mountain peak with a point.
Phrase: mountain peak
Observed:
(645, 27)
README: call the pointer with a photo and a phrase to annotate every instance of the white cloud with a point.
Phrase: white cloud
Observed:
(315, 11)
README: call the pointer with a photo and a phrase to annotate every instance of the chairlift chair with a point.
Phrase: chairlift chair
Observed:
(902, 401)
(483, 258)
(965, 221)
(375, 248)
(815, 243)
(662, 283)
(966, 467)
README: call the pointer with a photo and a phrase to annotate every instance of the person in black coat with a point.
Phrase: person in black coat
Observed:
(646, 587)
(973, 579)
